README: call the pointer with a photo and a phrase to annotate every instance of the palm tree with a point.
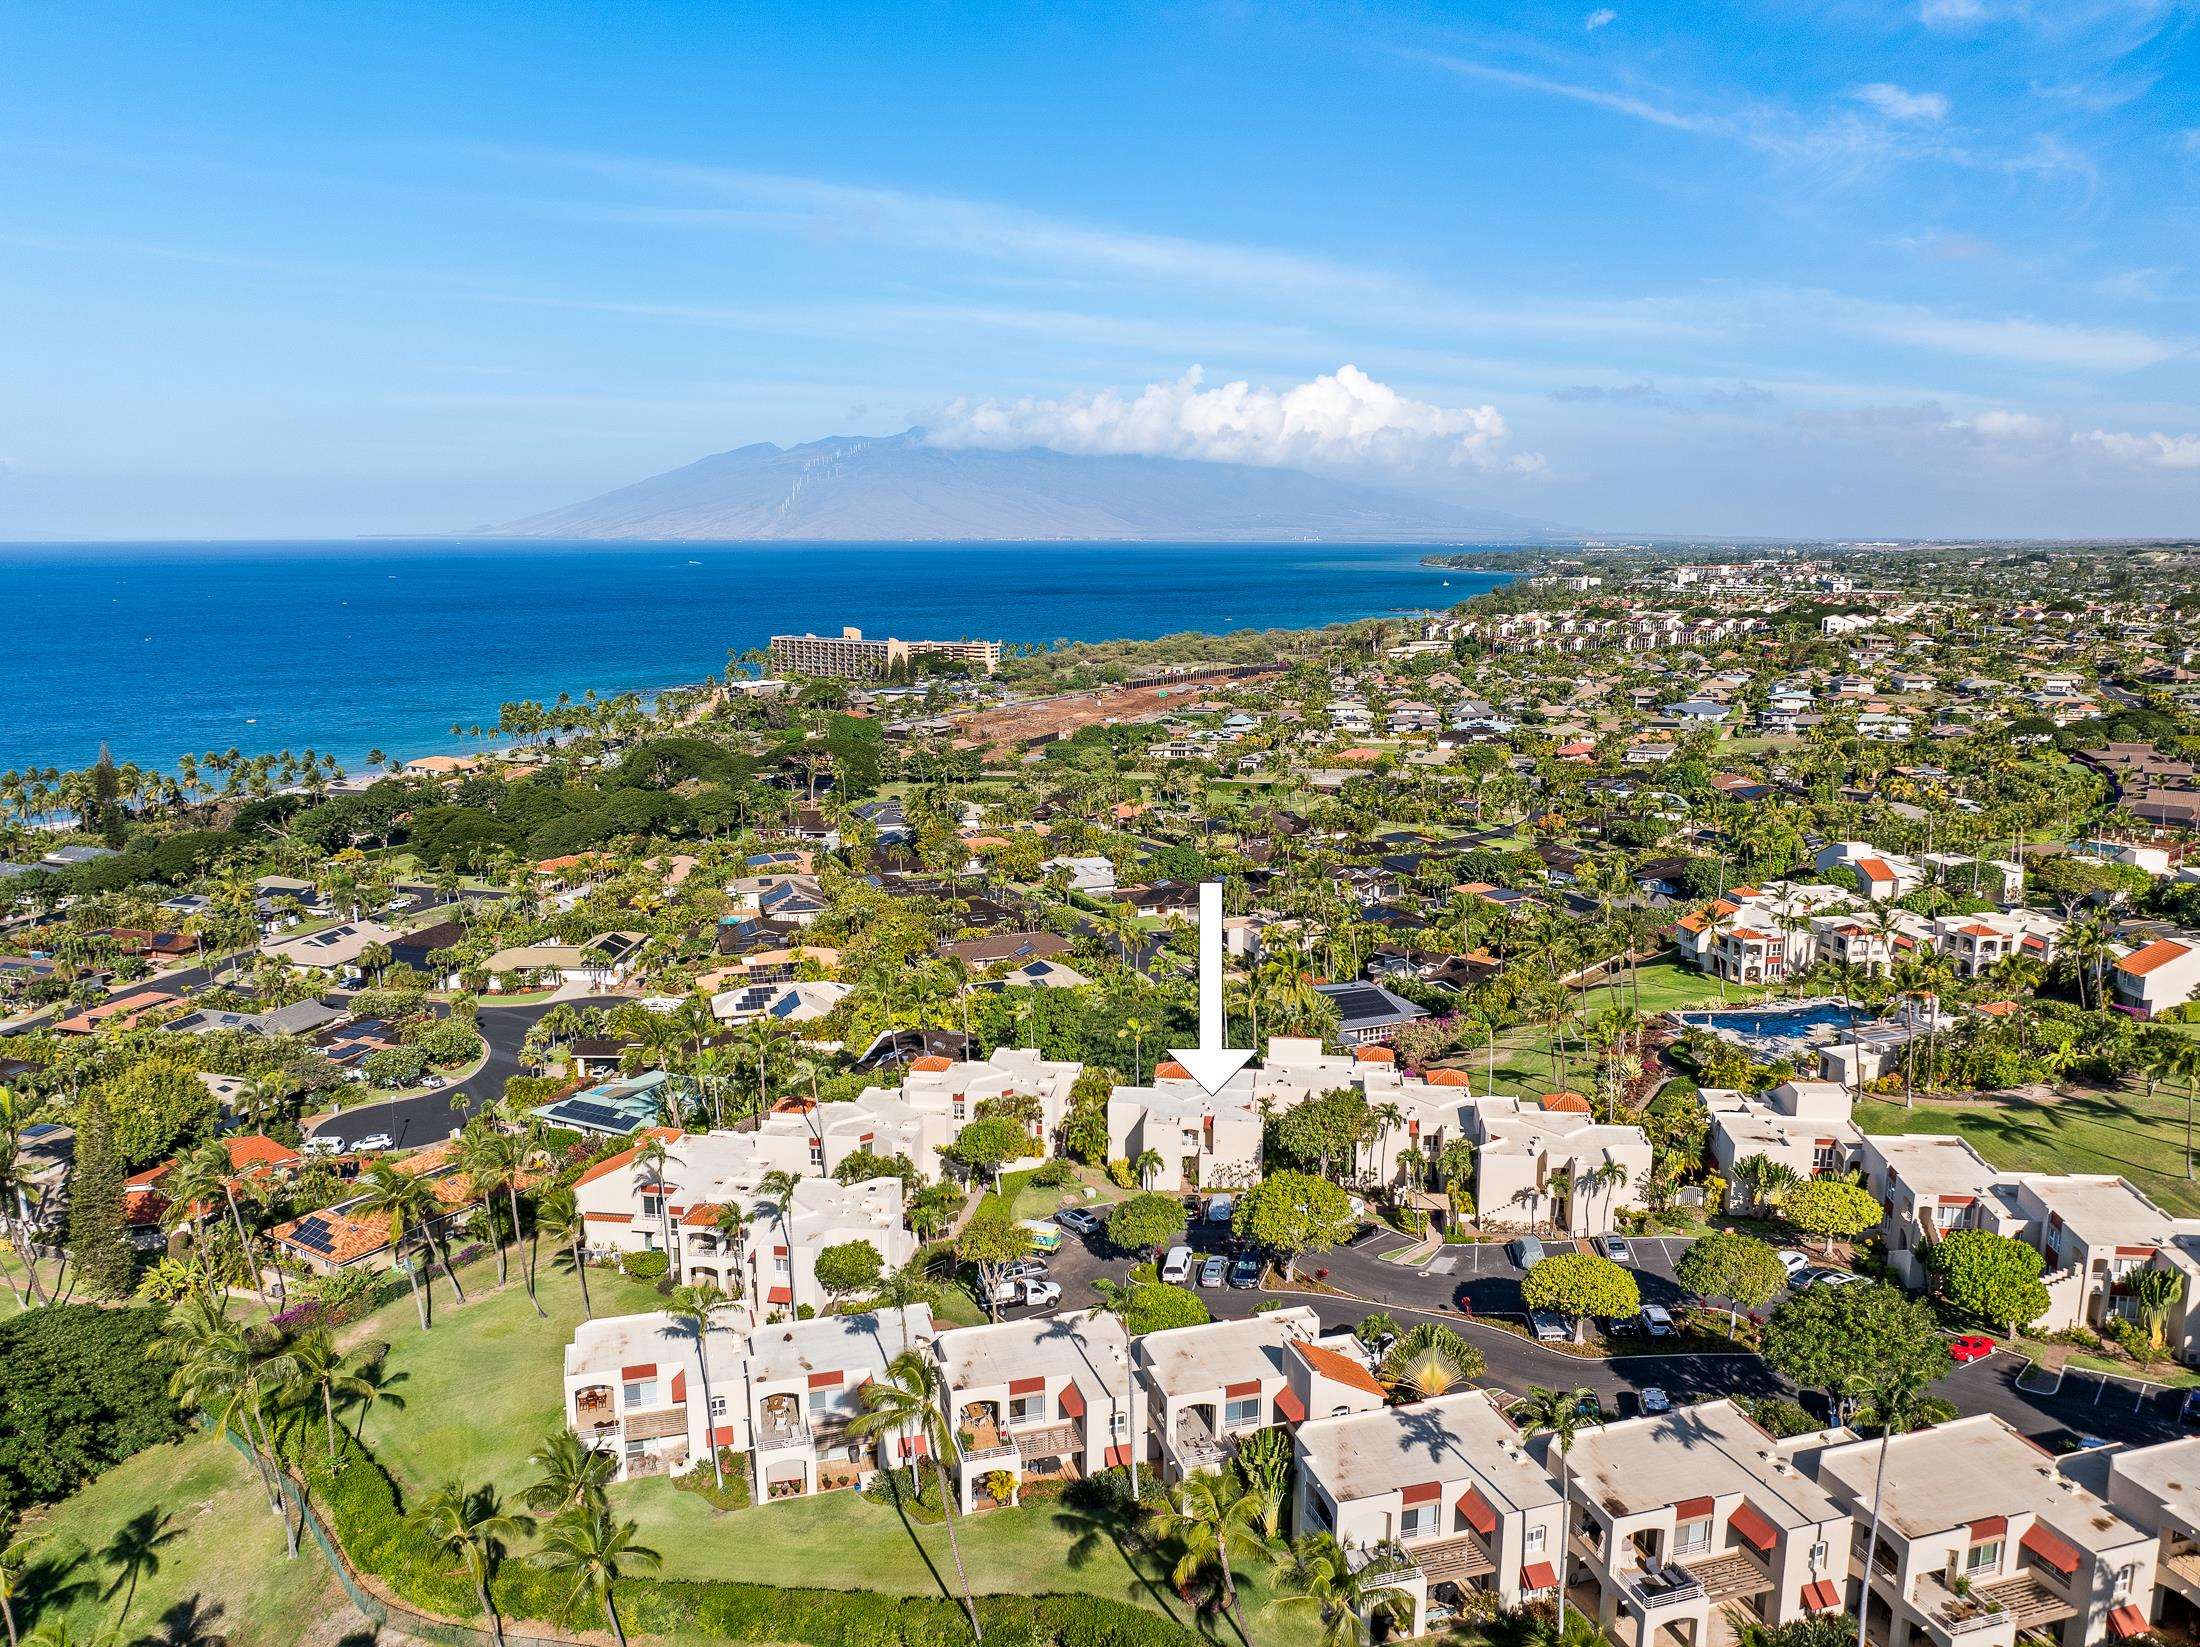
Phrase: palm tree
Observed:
(1115, 1300)
(1898, 1403)
(697, 1309)
(573, 1475)
(411, 1205)
(650, 1161)
(16, 1558)
(911, 1401)
(598, 1552)
(1428, 1361)
(1557, 1413)
(490, 1165)
(777, 1187)
(1201, 1513)
(471, 1525)
(1344, 1591)
(377, 1387)
(558, 1216)
(219, 1370)
(206, 1174)
(320, 1368)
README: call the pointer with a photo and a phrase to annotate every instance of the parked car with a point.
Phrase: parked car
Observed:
(1655, 1400)
(1176, 1268)
(1793, 1260)
(1972, 1346)
(1245, 1270)
(2188, 1416)
(1823, 1277)
(322, 1146)
(1220, 1207)
(1526, 1252)
(1024, 1269)
(1617, 1249)
(1045, 1237)
(1657, 1321)
(1548, 1328)
(373, 1142)
(1214, 1271)
(1083, 1220)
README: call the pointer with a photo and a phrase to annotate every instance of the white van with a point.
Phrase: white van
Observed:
(1176, 1269)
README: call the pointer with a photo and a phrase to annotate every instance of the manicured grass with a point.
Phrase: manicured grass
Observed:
(225, 1556)
(2128, 1133)
(485, 1383)
(1524, 1052)
(1037, 1547)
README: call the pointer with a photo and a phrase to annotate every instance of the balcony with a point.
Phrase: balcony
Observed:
(1452, 1560)
(1672, 1585)
(1729, 1573)
(1948, 1614)
(1063, 1440)
(655, 1426)
(2029, 1599)
(781, 1434)
(996, 1455)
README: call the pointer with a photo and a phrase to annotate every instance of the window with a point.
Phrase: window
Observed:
(1118, 1422)
(641, 1392)
(717, 1406)
(2124, 1577)
(1027, 1409)
(1533, 1544)
(1980, 1558)
(1692, 1537)
(1417, 1521)
(1241, 1412)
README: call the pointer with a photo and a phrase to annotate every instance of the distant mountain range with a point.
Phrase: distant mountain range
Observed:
(896, 487)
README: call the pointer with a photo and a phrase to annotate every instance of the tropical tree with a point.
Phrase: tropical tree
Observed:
(1560, 1414)
(558, 1215)
(651, 1158)
(696, 1309)
(1429, 1360)
(598, 1551)
(471, 1526)
(410, 1204)
(911, 1402)
(205, 1175)
(1897, 1402)
(319, 1368)
(573, 1474)
(1344, 1590)
(1201, 1514)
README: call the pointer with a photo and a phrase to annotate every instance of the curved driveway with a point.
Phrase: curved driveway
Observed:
(429, 1116)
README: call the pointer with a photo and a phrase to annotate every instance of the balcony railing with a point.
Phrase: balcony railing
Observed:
(1665, 1587)
(989, 1455)
(776, 1436)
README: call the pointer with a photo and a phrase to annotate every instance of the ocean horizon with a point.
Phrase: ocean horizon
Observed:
(163, 649)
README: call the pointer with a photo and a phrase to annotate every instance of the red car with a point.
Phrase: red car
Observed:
(1972, 1346)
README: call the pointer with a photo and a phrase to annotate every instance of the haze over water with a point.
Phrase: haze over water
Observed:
(160, 649)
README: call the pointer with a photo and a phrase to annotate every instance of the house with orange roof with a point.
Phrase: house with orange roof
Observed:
(346, 1236)
(2157, 976)
(1883, 876)
(120, 1012)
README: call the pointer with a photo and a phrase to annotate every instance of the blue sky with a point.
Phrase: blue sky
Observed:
(1837, 267)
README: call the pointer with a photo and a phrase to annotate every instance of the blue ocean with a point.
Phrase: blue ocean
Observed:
(162, 649)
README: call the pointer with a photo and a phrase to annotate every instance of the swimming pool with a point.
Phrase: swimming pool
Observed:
(1800, 1022)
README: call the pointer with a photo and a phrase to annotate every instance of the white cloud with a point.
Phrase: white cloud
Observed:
(1896, 103)
(1344, 417)
(2154, 451)
(2006, 426)
(1950, 14)
(1599, 18)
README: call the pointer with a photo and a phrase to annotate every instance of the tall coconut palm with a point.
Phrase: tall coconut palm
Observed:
(413, 1209)
(651, 1158)
(1558, 1414)
(697, 1308)
(911, 1402)
(470, 1525)
(207, 1175)
(777, 1187)
(487, 1158)
(1897, 1403)
(598, 1552)
(558, 1215)
(320, 1370)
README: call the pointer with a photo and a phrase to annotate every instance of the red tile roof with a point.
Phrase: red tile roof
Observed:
(1338, 1369)
(2158, 954)
(625, 1158)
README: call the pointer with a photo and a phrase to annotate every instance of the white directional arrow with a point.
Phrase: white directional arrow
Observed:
(1213, 1063)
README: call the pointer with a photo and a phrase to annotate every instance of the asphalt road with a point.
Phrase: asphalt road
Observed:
(2058, 1414)
(429, 1116)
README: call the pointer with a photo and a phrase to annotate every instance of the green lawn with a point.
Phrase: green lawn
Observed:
(1524, 1052)
(222, 1555)
(1034, 1548)
(2128, 1133)
(485, 1383)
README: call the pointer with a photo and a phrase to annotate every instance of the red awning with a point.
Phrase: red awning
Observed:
(723, 1435)
(2127, 1621)
(1480, 1513)
(2051, 1547)
(779, 1295)
(1538, 1575)
(1821, 1596)
(1993, 1526)
(1073, 1401)
(1422, 1492)
(1754, 1528)
(1289, 1407)
(1118, 1457)
(1693, 1509)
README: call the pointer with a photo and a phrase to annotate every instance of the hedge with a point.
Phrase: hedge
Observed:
(361, 1504)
